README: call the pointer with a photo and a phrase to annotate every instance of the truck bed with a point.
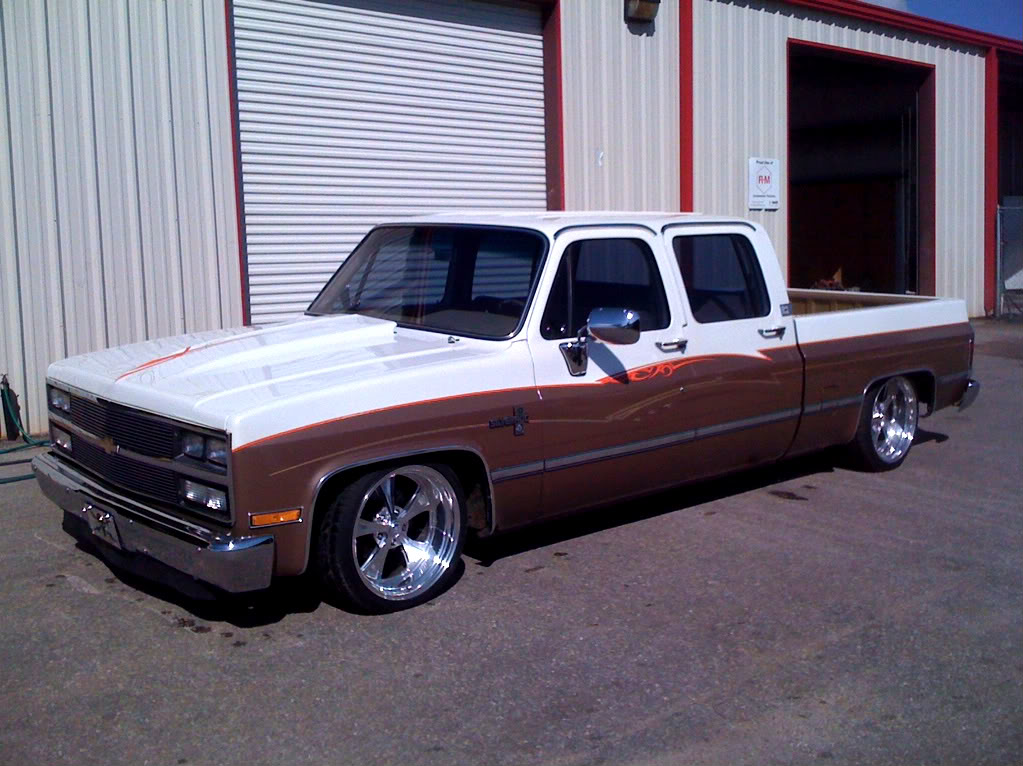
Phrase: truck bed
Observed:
(850, 340)
(826, 301)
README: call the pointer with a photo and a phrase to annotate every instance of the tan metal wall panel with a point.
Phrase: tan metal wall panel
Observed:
(117, 210)
(353, 112)
(621, 107)
(740, 110)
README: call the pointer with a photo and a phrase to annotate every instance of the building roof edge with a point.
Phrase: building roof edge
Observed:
(911, 22)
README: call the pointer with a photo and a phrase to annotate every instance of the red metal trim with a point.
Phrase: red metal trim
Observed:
(787, 163)
(855, 52)
(927, 199)
(685, 98)
(553, 107)
(990, 177)
(911, 22)
(927, 191)
(232, 94)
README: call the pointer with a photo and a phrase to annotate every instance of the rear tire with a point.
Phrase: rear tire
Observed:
(887, 426)
(393, 537)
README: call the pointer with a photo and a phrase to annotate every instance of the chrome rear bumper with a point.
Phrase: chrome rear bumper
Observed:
(234, 564)
(970, 394)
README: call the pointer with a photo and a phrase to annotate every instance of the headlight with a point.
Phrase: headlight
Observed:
(59, 400)
(193, 445)
(60, 437)
(207, 497)
(201, 447)
(216, 451)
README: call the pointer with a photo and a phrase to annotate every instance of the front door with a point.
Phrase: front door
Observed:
(605, 428)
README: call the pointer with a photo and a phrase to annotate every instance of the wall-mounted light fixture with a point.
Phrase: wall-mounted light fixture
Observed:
(641, 10)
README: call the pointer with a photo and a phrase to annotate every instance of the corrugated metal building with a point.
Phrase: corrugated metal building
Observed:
(168, 166)
(118, 217)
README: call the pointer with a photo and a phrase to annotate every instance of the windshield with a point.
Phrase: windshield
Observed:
(460, 280)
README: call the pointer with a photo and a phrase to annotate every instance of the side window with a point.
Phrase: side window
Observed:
(722, 277)
(604, 273)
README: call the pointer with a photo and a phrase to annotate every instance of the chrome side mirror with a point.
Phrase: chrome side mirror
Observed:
(616, 326)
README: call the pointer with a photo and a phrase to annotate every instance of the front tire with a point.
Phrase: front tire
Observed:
(887, 427)
(391, 539)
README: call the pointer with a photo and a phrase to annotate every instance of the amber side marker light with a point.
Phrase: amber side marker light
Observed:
(277, 517)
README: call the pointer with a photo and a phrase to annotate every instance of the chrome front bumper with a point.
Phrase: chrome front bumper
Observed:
(970, 394)
(234, 564)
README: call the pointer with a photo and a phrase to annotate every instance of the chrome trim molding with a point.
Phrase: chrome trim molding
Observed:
(234, 564)
(517, 471)
(832, 404)
(603, 225)
(670, 440)
(681, 224)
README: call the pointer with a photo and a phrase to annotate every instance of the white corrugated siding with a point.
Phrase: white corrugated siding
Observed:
(117, 209)
(355, 112)
(740, 110)
(621, 108)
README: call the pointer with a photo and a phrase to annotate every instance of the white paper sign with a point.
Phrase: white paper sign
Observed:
(764, 182)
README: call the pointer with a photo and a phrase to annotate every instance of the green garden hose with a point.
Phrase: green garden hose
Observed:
(29, 441)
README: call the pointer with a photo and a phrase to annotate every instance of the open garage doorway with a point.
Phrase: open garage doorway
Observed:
(861, 171)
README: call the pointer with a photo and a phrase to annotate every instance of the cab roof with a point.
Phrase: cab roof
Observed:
(551, 223)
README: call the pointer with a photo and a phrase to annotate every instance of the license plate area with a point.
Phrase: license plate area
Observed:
(103, 525)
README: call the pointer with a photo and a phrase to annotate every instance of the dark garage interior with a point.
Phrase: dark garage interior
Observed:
(1010, 130)
(861, 157)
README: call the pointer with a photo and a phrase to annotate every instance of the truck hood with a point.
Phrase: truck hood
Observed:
(211, 377)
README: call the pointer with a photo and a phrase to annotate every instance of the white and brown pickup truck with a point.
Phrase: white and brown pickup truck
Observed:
(474, 373)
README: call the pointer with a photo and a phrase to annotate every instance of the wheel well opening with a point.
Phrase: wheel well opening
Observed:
(468, 467)
(923, 383)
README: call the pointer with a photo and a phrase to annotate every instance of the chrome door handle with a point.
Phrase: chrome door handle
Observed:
(673, 345)
(773, 332)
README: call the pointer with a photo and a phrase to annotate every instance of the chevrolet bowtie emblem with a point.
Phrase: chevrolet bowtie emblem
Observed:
(517, 419)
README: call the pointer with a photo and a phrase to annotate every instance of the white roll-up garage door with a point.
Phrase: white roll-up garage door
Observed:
(354, 112)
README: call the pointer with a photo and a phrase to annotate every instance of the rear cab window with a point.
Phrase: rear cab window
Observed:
(722, 277)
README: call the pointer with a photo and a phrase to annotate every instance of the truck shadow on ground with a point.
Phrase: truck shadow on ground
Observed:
(686, 497)
(297, 595)
(289, 595)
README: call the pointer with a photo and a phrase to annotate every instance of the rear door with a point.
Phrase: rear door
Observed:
(743, 374)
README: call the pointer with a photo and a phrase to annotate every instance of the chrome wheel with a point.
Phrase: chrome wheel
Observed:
(406, 532)
(893, 420)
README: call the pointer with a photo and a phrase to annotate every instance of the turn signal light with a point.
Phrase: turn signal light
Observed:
(277, 517)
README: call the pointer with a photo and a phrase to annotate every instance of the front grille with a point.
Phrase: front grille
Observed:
(135, 476)
(126, 427)
(135, 432)
(158, 483)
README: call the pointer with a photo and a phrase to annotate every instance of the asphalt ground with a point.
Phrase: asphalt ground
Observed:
(804, 613)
